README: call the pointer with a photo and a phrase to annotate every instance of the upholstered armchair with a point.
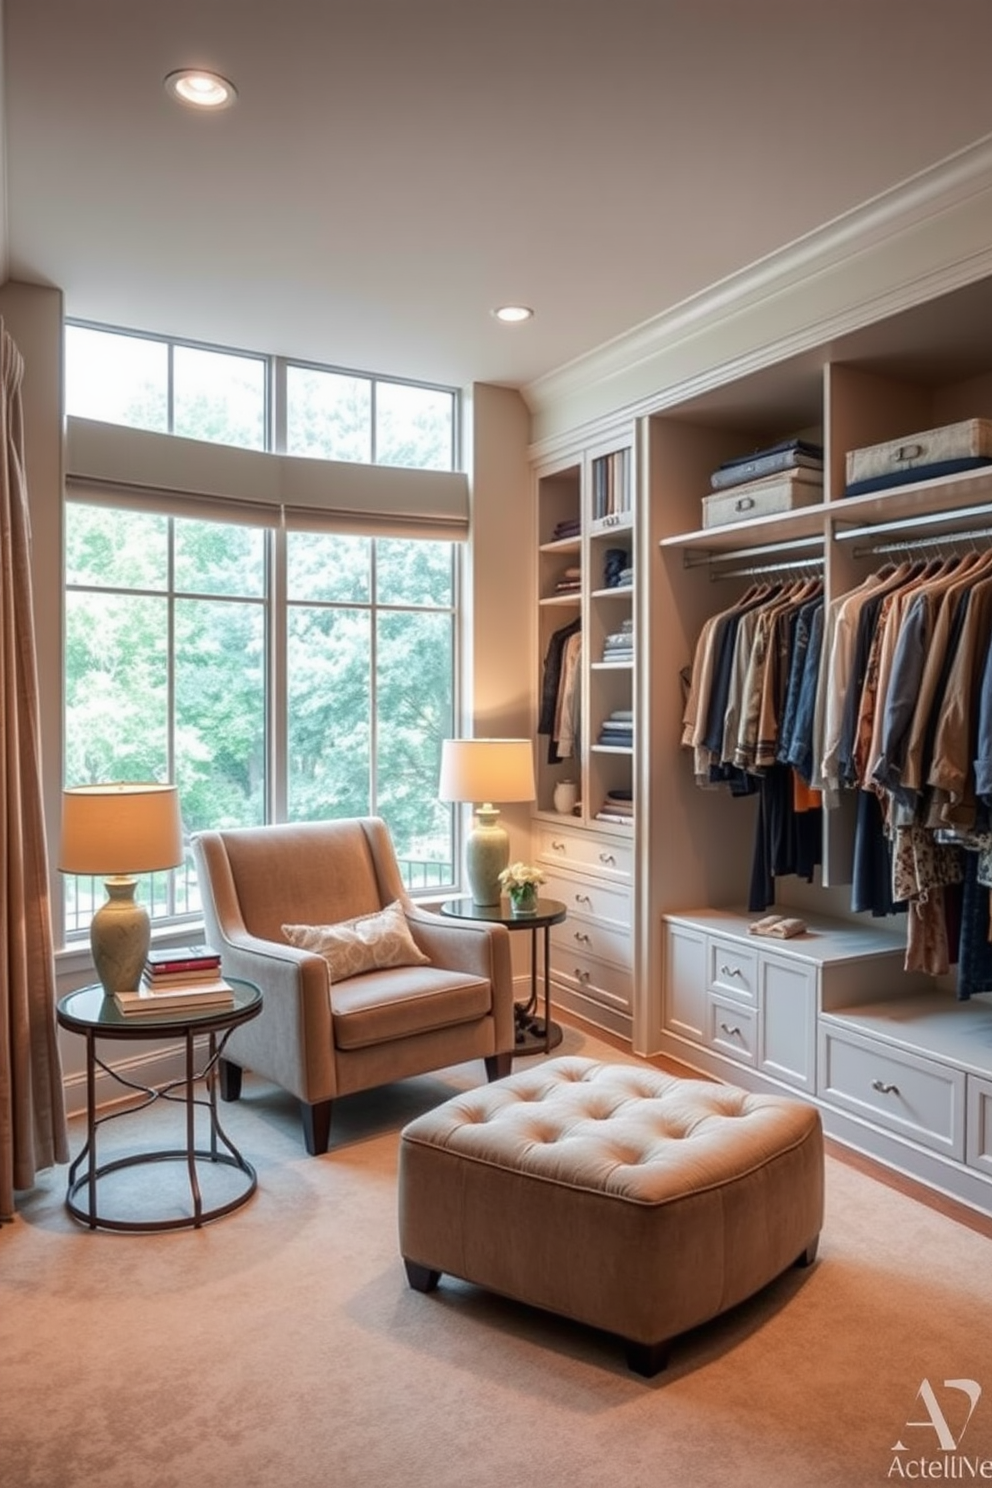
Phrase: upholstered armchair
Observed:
(323, 1033)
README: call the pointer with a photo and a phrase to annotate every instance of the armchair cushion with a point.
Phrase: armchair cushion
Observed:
(366, 943)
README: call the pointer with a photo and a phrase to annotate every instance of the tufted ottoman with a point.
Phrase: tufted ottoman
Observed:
(613, 1194)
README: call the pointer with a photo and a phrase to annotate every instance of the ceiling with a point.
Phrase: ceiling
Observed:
(393, 169)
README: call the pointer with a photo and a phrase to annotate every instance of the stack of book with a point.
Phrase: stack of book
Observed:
(177, 979)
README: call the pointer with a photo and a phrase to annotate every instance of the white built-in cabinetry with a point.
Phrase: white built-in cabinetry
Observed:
(584, 584)
(899, 1067)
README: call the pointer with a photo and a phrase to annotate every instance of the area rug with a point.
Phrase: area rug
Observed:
(280, 1347)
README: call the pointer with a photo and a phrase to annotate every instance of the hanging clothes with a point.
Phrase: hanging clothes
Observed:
(904, 724)
(560, 692)
(750, 704)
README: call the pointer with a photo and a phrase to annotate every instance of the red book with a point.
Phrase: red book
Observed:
(181, 958)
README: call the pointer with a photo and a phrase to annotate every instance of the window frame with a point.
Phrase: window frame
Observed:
(275, 601)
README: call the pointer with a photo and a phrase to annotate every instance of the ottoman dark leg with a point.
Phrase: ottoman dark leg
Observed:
(808, 1256)
(646, 1358)
(421, 1278)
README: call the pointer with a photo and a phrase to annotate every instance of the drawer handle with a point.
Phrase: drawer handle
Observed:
(607, 857)
(582, 899)
(731, 971)
(582, 976)
(881, 1086)
(557, 847)
(582, 937)
(909, 452)
(743, 503)
(730, 1032)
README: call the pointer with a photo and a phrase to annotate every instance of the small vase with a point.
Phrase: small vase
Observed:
(565, 796)
(523, 899)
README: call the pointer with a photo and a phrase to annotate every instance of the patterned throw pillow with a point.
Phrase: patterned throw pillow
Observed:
(363, 944)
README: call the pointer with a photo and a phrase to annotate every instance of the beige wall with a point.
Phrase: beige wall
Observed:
(498, 641)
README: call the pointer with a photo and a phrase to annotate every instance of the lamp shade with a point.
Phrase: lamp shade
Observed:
(487, 770)
(120, 828)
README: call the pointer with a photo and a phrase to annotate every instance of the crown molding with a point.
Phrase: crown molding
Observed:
(923, 237)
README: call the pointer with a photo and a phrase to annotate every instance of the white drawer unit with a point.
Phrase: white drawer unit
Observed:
(710, 975)
(590, 872)
(894, 1088)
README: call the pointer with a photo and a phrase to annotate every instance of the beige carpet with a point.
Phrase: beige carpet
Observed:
(281, 1347)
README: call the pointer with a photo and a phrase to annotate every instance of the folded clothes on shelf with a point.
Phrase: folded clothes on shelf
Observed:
(570, 527)
(778, 927)
(615, 563)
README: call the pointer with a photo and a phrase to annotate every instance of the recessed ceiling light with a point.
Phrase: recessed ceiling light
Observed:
(512, 314)
(203, 90)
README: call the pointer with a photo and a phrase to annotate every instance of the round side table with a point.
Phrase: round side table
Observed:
(534, 1034)
(94, 1015)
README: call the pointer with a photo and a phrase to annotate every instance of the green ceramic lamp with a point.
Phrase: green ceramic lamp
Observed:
(117, 831)
(484, 771)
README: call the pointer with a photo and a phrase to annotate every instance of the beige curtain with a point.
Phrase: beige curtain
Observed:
(32, 1109)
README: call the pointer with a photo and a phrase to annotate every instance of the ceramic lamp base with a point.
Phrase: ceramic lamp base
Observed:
(487, 852)
(120, 934)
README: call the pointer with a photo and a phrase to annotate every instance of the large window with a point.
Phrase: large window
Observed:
(273, 674)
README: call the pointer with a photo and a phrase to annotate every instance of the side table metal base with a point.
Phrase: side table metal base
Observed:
(530, 1037)
(85, 1184)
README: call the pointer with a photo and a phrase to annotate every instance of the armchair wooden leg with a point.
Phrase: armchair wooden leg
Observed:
(316, 1126)
(230, 1079)
(498, 1065)
(421, 1278)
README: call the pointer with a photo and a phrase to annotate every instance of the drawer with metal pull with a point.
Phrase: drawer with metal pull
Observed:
(895, 1088)
(607, 903)
(582, 850)
(732, 1029)
(600, 981)
(732, 969)
(606, 943)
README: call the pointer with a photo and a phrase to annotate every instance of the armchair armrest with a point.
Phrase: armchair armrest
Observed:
(291, 1042)
(479, 948)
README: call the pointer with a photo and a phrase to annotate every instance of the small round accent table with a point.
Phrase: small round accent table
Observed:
(92, 1014)
(534, 1035)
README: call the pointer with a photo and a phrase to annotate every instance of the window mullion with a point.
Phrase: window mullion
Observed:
(277, 692)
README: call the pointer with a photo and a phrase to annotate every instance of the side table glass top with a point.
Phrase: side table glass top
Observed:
(548, 912)
(89, 1008)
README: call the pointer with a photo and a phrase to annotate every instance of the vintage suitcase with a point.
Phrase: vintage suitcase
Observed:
(934, 452)
(759, 498)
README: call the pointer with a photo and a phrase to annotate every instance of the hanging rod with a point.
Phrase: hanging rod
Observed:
(815, 560)
(927, 540)
(918, 521)
(706, 557)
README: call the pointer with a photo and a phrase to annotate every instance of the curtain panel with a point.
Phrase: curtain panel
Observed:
(33, 1131)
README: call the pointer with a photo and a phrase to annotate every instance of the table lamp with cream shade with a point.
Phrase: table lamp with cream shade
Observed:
(484, 771)
(116, 831)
